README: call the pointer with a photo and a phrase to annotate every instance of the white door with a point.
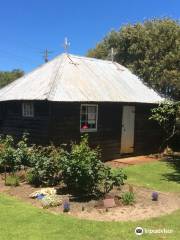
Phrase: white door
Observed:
(127, 133)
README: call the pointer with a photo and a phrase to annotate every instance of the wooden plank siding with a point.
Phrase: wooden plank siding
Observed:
(12, 122)
(59, 123)
(65, 126)
(148, 134)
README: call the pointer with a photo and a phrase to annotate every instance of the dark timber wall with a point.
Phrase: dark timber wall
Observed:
(60, 123)
(148, 134)
(65, 126)
(12, 122)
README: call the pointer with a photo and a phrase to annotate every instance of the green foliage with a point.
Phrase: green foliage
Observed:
(14, 155)
(8, 77)
(111, 178)
(80, 169)
(128, 198)
(33, 178)
(83, 171)
(12, 180)
(166, 115)
(150, 49)
(23, 152)
(45, 165)
(99, 52)
(8, 158)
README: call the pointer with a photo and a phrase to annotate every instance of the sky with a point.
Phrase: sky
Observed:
(27, 28)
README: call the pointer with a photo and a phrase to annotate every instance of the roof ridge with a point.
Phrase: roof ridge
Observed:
(91, 58)
(53, 82)
(13, 83)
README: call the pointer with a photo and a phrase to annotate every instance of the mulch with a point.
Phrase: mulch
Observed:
(128, 161)
(143, 208)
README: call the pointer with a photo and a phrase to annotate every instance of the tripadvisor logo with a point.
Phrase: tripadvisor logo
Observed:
(139, 231)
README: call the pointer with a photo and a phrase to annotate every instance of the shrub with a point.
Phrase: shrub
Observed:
(51, 201)
(128, 198)
(33, 178)
(45, 162)
(13, 156)
(81, 168)
(111, 178)
(12, 180)
(83, 171)
(23, 152)
(8, 157)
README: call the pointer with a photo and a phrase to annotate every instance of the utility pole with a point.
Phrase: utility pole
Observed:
(46, 55)
(112, 54)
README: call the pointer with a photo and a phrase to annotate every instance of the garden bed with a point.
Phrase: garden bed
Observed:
(143, 208)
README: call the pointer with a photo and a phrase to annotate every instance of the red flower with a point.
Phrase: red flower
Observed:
(85, 126)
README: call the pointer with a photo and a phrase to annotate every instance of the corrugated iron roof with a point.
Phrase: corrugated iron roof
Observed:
(73, 78)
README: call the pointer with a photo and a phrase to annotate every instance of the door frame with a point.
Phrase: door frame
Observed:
(127, 135)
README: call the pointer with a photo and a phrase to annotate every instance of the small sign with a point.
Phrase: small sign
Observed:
(109, 203)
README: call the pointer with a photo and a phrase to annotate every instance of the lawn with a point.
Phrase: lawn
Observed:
(21, 221)
(159, 175)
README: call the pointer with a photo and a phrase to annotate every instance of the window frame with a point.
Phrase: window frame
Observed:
(96, 122)
(24, 110)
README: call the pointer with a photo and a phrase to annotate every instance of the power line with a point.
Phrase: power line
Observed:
(23, 43)
(5, 52)
(19, 63)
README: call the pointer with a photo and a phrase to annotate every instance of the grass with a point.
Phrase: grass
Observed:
(12, 180)
(19, 221)
(160, 175)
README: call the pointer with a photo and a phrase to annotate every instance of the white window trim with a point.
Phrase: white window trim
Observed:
(89, 129)
(24, 111)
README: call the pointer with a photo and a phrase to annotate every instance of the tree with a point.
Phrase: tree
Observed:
(150, 49)
(7, 77)
(167, 115)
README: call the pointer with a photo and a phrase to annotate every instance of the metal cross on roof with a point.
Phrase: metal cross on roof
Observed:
(66, 44)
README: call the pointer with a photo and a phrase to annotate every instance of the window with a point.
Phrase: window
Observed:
(88, 117)
(28, 110)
